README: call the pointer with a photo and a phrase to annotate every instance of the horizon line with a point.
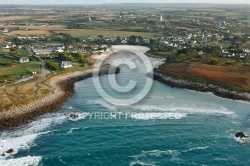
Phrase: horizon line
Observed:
(127, 3)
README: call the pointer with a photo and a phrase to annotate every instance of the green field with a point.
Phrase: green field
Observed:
(105, 33)
(22, 52)
(54, 60)
(16, 72)
(224, 45)
(5, 60)
(20, 68)
(238, 34)
(30, 32)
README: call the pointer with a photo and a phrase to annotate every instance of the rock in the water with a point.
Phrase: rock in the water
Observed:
(74, 116)
(10, 151)
(3, 154)
(240, 134)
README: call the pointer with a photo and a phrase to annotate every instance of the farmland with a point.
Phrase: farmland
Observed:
(105, 33)
(30, 32)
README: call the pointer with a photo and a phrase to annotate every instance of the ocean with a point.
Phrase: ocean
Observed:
(169, 126)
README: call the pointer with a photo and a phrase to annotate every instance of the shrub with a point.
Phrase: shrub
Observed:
(52, 65)
(213, 61)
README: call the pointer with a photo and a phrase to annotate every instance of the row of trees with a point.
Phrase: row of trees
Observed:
(81, 58)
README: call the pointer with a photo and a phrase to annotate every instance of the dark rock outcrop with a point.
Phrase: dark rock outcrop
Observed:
(73, 116)
(201, 87)
(240, 135)
(10, 151)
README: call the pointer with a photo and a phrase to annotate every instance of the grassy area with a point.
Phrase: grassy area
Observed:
(238, 34)
(224, 45)
(16, 72)
(245, 21)
(5, 60)
(55, 60)
(5, 51)
(13, 18)
(22, 52)
(106, 33)
(29, 32)
(20, 69)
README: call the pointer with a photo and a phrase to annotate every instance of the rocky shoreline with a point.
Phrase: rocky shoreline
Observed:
(201, 87)
(63, 90)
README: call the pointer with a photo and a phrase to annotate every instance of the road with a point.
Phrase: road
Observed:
(44, 72)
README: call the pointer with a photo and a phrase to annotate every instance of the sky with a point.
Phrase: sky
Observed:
(119, 1)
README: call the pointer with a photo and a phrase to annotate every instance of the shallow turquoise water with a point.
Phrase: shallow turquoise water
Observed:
(169, 127)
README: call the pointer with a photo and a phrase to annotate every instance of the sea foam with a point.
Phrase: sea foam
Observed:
(24, 136)
(23, 161)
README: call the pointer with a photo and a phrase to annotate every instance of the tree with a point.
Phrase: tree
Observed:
(100, 36)
(132, 40)
(13, 51)
(52, 65)
(82, 58)
(66, 57)
(213, 61)
(119, 38)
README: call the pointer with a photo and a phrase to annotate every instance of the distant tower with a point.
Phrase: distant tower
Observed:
(161, 18)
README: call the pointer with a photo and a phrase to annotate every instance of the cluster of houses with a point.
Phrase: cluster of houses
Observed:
(47, 49)
(122, 40)
(8, 45)
(31, 38)
(64, 64)
(228, 53)
(204, 39)
(192, 39)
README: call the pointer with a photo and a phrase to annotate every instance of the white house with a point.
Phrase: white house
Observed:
(242, 56)
(225, 51)
(24, 60)
(6, 30)
(59, 50)
(6, 46)
(66, 64)
(201, 53)
(124, 41)
(247, 50)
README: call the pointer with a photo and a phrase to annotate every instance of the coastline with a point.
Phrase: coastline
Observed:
(63, 90)
(201, 87)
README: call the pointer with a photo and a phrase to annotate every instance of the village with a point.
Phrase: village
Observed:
(179, 34)
(227, 46)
